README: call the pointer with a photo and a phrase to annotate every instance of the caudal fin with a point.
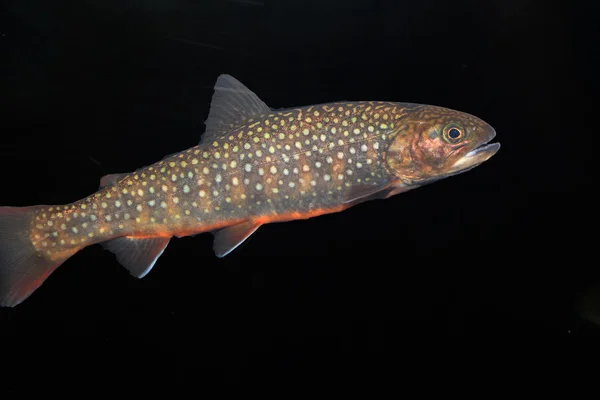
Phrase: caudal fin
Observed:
(22, 268)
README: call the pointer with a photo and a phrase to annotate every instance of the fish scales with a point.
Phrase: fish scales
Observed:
(290, 161)
(254, 166)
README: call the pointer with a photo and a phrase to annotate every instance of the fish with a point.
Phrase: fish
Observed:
(254, 165)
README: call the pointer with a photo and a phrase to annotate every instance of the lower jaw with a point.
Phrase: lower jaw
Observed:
(476, 157)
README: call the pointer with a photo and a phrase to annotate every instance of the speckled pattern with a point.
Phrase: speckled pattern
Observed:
(253, 166)
(293, 161)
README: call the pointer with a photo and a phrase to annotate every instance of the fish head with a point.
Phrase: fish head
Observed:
(432, 143)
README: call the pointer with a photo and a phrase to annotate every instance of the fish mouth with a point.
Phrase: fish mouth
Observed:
(476, 156)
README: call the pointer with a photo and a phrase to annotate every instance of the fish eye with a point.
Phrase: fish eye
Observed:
(453, 134)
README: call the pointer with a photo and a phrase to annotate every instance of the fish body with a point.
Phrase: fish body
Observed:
(253, 166)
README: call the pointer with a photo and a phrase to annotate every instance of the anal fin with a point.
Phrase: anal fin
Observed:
(137, 255)
(228, 239)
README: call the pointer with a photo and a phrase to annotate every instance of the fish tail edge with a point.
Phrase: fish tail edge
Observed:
(22, 267)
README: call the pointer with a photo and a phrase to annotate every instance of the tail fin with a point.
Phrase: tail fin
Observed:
(22, 268)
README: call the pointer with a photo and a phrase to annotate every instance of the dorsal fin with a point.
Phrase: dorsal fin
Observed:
(231, 105)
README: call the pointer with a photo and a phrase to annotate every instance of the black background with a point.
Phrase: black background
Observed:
(499, 253)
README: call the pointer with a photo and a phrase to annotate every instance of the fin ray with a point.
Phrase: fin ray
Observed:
(362, 193)
(137, 255)
(232, 104)
(22, 268)
(394, 190)
(228, 239)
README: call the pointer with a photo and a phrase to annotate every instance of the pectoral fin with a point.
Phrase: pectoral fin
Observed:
(362, 193)
(397, 189)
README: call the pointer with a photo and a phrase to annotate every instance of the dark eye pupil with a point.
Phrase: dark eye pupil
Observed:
(454, 133)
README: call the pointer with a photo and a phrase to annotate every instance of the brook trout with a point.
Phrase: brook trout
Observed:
(253, 166)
